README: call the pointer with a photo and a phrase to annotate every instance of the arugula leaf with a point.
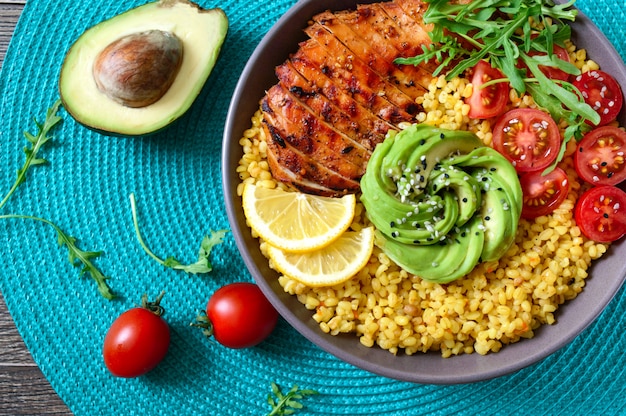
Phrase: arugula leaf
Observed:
(202, 265)
(500, 31)
(286, 404)
(36, 141)
(77, 257)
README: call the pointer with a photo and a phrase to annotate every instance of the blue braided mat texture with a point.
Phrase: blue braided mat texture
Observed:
(176, 178)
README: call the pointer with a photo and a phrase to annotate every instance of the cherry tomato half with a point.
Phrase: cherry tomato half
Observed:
(490, 101)
(241, 316)
(528, 138)
(599, 157)
(601, 213)
(602, 92)
(137, 341)
(542, 194)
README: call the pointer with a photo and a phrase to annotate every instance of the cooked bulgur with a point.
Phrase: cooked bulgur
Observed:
(498, 303)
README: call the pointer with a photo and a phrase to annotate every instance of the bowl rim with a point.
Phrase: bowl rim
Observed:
(573, 317)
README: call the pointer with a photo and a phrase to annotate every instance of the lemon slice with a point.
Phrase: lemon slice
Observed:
(294, 221)
(330, 265)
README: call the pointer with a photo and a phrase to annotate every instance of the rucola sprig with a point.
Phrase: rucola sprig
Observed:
(77, 257)
(508, 32)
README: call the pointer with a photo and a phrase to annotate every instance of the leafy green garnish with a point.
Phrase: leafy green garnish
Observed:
(505, 32)
(36, 141)
(287, 404)
(203, 265)
(77, 257)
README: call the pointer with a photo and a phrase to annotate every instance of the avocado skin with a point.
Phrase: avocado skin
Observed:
(464, 211)
(204, 30)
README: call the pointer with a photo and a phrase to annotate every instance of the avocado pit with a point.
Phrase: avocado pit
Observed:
(136, 70)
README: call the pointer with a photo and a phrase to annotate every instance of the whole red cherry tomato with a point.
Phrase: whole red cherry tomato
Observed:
(137, 341)
(239, 315)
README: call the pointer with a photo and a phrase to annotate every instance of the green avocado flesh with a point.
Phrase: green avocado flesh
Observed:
(441, 201)
(178, 30)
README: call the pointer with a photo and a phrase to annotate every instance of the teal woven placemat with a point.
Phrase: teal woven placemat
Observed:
(176, 178)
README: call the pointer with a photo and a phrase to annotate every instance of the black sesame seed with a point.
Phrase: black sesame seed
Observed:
(493, 169)
(605, 215)
(464, 199)
(347, 150)
(603, 164)
(442, 136)
(392, 224)
(610, 174)
(422, 142)
(487, 218)
(416, 241)
(463, 234)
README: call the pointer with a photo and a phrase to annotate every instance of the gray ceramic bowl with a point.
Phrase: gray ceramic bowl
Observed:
(606, 276)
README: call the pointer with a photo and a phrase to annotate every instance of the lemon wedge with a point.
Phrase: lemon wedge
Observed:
(296, 222)
(329, 265)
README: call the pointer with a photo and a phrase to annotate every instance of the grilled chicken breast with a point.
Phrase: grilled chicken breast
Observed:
(340, 93)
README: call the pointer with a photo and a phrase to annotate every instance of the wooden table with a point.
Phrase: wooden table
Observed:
(23, 388)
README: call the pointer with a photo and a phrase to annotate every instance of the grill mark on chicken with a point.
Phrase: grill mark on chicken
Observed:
(290, 165)
(379, 62)
(343, 99)
(312, 137)
(363, 128)
(341, 92)
(414, 9)
(411, 30)
(361, 84)
(381, 78)
(412, 79)
(322, 179)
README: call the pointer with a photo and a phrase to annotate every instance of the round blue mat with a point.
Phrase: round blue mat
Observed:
(175, 176)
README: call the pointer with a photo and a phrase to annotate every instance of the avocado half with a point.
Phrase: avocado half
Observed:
(201, 33)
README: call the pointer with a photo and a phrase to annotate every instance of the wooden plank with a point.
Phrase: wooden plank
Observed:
(23, 388)
(9, 14)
